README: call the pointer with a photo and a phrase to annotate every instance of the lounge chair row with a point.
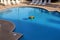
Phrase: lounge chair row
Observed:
(9, 2)
(41, 2)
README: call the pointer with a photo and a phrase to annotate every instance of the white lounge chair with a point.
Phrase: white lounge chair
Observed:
(33, 1)
(40, 2)
(13, 2)
(49, 1)
(9, 2)
(2, 4)
(17, 1)
(1, 1)
(37, 1)
(5, 2)
(45, 2)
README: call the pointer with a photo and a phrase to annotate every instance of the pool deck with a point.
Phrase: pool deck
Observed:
(49, 8)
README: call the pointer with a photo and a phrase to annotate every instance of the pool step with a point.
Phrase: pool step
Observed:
(6, 29)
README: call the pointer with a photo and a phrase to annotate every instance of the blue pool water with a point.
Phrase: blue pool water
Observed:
(44, 26)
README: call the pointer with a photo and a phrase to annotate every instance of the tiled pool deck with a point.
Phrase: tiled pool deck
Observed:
(48, 7)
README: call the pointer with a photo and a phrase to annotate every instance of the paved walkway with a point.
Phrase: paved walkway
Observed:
(51, 7)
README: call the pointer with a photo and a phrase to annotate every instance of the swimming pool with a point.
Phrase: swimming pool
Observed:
(44, 26)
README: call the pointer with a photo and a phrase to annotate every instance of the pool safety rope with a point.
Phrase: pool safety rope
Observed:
(6, 29)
